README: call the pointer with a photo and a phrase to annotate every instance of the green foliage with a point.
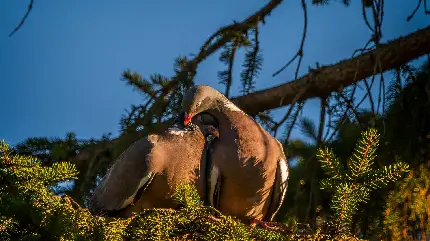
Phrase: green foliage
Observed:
(352, 186)
(51, 150)
(408, 207)
(29, 210)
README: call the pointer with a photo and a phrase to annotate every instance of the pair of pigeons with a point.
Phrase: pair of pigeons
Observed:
(243, 172)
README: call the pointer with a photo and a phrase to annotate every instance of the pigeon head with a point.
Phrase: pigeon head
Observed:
(207, 124)
(198, 99)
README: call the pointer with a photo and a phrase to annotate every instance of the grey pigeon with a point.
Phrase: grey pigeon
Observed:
(146, 174)
(249, 170)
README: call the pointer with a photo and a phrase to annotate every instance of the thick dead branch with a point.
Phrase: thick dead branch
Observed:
(328, 78)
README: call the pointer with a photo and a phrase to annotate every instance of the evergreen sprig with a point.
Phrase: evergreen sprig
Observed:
(352, 186)
(252, 64)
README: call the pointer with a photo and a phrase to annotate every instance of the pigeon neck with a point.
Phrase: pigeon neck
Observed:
(223, 111)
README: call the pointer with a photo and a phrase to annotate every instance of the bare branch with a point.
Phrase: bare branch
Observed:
(30, 7)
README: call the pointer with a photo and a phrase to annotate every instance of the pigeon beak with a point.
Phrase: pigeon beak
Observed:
(188, 118)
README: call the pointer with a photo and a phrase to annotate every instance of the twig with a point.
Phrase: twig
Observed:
(296, 114)
(285, 118)
(378, 13)
(368, 89)
(381, 90)
(30, 7)
(322, 120)
(349, 102)
(362, 50)
(328, 124)
(425, 7)
(282, 121)
(415, 10)
(299, 53)
(363, 11)
(230, 61)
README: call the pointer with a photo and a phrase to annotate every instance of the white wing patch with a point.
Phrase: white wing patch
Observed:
(284, 177)
(213, 177)
(142, 182)
(283, 164)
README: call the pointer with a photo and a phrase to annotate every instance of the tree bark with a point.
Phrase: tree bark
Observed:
(328, 79)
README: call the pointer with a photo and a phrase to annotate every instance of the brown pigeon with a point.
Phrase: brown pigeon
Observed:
(146, 174)
(249, 170)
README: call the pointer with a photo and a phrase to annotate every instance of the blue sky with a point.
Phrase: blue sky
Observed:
(61, 71)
